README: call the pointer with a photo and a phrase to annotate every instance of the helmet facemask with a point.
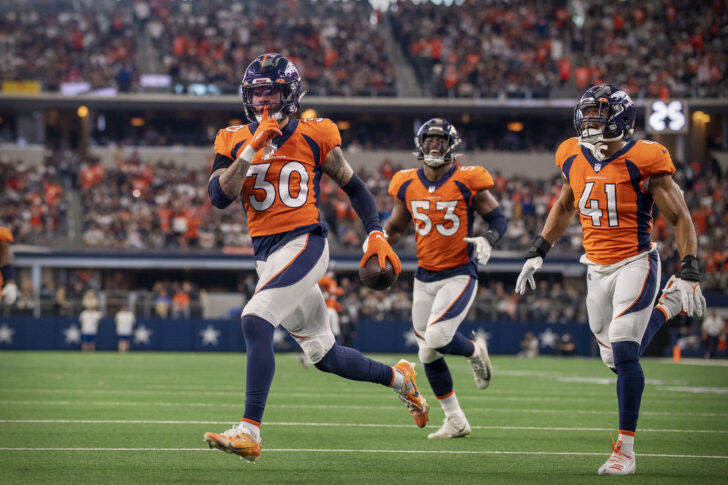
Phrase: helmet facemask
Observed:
(592, 120)
(434, 150)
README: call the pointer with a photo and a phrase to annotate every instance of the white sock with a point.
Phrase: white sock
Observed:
(251, 429)
(398, 380)
(476, 351)
(450, 405)
(627, 443)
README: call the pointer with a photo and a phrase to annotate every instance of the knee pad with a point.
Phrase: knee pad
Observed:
(428, 355)
(437, 336)
(316, 347)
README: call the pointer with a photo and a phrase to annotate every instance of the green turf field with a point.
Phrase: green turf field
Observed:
(139, 418)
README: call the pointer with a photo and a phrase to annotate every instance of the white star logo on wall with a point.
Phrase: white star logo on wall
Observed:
(72, 334)
(410, 339)
(142, 334)
(6, 334)
(548, 338)
(210, 335)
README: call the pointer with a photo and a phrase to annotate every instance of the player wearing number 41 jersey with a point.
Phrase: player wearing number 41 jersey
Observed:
(274, 164)
(443, 198)
(613, 183)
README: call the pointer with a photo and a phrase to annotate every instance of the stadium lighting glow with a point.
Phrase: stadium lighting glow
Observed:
(515, 126)
(343, 125)
(701, 117)
(82, 111)
(308, 114)
(137, 122)
(235, 122)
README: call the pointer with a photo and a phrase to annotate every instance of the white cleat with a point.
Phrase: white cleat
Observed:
(455, 426)
(619, 463)
(482, 368)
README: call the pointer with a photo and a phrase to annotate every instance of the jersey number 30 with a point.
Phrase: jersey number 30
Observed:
(259, 172)
(590, 207)
(426, 223)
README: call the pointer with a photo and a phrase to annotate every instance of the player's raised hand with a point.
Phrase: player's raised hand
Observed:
(529, 268)
(267, 130)
(377, 244)
(483, 248)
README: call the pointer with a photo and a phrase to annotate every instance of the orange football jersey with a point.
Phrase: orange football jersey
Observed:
(280, 192)
(5, 236)
(441, 212)
(615, 208)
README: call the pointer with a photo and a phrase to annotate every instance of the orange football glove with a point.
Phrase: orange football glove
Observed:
(267, 130)
(377, 244)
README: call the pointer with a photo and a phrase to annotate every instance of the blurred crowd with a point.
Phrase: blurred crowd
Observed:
(138, 205)
(500, 48)
(538, 49)
(33, 202)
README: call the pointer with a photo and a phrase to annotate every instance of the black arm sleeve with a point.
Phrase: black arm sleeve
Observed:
(221, 161)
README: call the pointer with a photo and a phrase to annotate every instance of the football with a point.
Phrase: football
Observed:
(374, 277)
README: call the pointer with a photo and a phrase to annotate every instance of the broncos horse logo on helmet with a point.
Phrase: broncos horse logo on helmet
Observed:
(440, 128)
(604, 113)
(275, 72)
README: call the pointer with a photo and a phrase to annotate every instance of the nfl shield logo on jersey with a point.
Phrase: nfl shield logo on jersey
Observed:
(597, 167)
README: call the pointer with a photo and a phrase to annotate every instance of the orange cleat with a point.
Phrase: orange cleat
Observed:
(236, 441)
(409, 394)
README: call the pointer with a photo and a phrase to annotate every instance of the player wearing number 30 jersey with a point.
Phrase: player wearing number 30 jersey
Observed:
(443, 198)
(613, 183)
(274, 164)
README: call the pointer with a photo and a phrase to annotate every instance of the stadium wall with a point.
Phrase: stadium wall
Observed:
(156, 334)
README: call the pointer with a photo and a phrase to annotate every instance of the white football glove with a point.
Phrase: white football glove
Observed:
(10, 293)
(529, 268)
(693, 301)
(482, 248)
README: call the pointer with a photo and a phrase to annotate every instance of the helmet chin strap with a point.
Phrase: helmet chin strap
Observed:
(434, 161)
(278, 116)
(597, 144)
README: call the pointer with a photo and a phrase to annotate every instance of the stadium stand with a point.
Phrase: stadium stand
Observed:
(540, 49)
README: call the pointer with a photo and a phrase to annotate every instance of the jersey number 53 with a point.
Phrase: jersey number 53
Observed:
(425, 223)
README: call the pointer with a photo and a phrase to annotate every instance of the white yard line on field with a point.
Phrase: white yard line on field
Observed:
(343, 406)
(333, 425)
(410, 452)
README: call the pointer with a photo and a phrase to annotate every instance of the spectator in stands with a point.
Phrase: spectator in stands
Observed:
(713, 326)
(529, 346)
(566, 345)
(89, 319)
(124, 320)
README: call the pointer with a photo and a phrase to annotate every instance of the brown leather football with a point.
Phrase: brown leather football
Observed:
(374, 277)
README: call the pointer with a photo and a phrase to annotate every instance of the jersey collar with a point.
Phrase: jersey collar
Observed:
(433, 186)
(601, 163)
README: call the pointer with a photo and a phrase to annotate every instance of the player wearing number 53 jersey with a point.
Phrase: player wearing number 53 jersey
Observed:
(274, 164)
(443, 198)
(613, 183)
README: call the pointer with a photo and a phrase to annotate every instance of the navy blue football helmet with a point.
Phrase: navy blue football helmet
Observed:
(275, 72)
(441, 128)
(604, 113)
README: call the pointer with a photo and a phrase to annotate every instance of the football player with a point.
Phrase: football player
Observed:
(442, 197)
(9, 290)
(274, 164)
(613, 182)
